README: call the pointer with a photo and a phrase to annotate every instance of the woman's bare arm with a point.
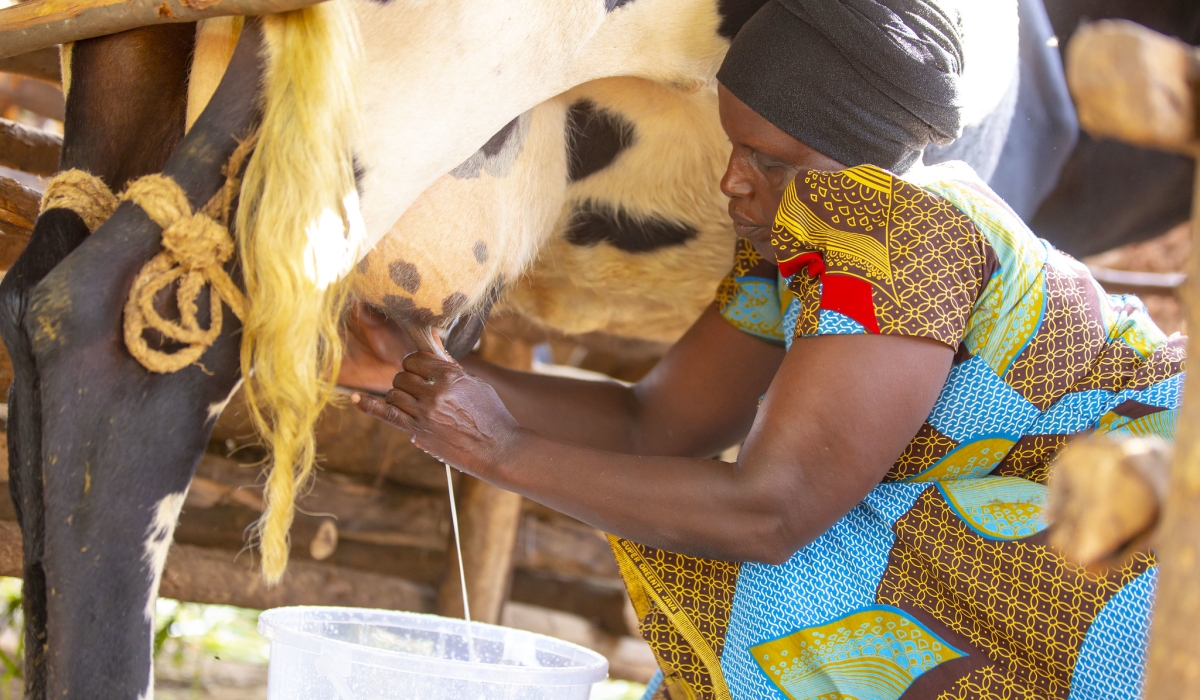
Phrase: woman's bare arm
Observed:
(839, 413)
(700, 399)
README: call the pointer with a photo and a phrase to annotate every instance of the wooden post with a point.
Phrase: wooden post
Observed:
(1139, 86)
(39, 24)
(1173, 667)
(488, 518)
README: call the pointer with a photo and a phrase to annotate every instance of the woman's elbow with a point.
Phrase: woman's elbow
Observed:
(781, 534)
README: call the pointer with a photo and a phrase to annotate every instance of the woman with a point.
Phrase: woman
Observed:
(900, 357)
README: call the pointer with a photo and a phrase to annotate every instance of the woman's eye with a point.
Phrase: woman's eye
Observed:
(767, 163)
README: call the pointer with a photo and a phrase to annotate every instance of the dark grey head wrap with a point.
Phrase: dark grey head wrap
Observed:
(861, 81)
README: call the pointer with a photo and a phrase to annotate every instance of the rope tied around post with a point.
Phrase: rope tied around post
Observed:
(196, 247)
(83, 193)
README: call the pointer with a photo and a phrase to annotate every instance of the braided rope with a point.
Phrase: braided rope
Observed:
(195, 250)
(83, 193)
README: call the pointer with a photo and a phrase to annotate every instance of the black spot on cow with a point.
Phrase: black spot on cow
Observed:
(405, 275)
(597, 136)
(734, 14)
(452, 304)
(496, 144)
(593, 223)
(610, 5)
(480, 251)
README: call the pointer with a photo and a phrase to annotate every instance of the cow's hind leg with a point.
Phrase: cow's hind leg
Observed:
(124, 118)
(119, 443)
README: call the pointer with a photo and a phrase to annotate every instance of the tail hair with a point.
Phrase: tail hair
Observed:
(298, 230)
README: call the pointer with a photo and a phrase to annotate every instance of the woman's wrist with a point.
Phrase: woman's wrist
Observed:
(503, 462)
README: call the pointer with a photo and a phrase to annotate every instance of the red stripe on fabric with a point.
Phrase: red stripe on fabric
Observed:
(813, 261)
(849, 296)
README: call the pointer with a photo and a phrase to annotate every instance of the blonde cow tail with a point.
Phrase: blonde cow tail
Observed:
(298, 230)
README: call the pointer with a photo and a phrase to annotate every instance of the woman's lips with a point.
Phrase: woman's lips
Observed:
(746, 230)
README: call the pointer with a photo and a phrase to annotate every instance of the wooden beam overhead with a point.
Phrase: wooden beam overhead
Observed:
(40, 24)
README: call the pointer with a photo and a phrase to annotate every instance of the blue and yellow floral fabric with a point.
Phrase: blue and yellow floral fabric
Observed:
(938, 584)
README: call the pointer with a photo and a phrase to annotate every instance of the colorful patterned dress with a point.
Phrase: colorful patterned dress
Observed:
(939, 584)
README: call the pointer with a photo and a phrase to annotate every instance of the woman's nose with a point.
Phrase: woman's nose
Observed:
(734, 183)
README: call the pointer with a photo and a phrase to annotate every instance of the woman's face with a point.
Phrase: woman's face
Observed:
(764, 160)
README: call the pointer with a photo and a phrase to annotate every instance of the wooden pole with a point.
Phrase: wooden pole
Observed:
(1173, 666)
(29, 150)
(488, 518)
(1141, 87)
(39, 24)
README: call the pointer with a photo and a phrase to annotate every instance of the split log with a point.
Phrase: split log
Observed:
(488, 519)
(43, 64)
(29, 150)
(348, 442)
(39, 24)
(18, 210)
(41, 98)
(1139, 86)
(200, 575)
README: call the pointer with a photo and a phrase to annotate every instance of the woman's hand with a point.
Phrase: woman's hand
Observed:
(450, 414)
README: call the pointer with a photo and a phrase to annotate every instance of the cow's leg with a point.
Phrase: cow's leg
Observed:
(119, 443)
(124, 118)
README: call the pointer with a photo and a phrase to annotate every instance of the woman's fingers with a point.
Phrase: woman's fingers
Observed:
(383, 411)
(404, 401)
(414, 384)
(427, 365)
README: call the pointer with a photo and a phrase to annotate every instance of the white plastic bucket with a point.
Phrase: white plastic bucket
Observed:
(324, 653)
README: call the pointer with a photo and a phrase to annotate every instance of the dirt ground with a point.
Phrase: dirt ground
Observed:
(1167, 253)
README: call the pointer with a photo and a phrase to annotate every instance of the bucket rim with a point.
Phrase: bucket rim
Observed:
(272, 624)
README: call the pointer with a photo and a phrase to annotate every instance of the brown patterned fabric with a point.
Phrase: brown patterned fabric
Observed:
(977, 587)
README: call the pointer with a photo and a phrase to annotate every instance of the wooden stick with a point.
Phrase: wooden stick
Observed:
(39, 24)
(42, 64)
(27, 149)
(1130, 282)
(1173, 666)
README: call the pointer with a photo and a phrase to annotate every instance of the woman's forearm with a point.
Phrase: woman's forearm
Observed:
(600, 414)
(666, 502)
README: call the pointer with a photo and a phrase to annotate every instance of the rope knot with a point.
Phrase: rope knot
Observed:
(195, 250)
(198, 242)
